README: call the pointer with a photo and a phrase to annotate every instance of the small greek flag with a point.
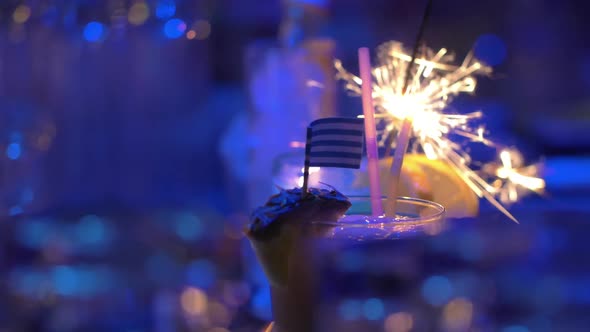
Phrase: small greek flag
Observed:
(333, 142)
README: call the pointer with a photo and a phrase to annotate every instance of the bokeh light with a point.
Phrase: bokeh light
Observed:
(458, 314)
(65, 280)
(191, 34)
(490, 49)
(399, 322)
(350, 309)
(174, 28)
(201, 273)
(373, 309)
(202, 29)
(94, 32)
(13, 151)
(91, 230)
(193, 301)
(437, 290)
(138, 13)
(165, 9)
(21, 14)
(188, 226)
(15, 210)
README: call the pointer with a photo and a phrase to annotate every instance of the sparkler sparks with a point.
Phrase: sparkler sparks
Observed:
(434, 81)
(513, 177)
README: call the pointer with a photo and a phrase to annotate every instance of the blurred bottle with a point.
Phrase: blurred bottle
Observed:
(301, 35)
(290, 83)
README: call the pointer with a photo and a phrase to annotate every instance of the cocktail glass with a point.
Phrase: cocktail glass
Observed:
(296, 304)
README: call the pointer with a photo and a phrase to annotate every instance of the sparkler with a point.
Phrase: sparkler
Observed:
(434, 81)
(513, 177)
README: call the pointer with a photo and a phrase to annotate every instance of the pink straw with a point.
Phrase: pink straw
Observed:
(370, 131)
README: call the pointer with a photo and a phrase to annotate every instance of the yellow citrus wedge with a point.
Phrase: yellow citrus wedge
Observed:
(432, 180)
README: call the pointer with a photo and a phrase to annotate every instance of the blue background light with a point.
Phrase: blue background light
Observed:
(437, 290)
(91, 230)
(94, 31)
(188, 226)
(373, 309)
(13, 151)
(15, 210)
(165, 9)
(174, 28)
(65, 280)
(490, 49)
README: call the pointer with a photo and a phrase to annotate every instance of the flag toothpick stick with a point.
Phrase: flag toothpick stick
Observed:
(306, 164)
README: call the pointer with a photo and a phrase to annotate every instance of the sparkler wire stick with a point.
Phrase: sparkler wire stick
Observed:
(403, 137)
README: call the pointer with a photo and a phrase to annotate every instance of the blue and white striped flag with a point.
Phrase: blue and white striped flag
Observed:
(335, 142)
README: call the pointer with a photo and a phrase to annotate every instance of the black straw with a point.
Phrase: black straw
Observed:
(425, 17)
(417, 43)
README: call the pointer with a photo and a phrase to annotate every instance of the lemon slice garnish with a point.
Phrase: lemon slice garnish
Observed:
(432, 180)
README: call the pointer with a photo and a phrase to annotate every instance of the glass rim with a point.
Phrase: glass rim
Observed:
(437, 215)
